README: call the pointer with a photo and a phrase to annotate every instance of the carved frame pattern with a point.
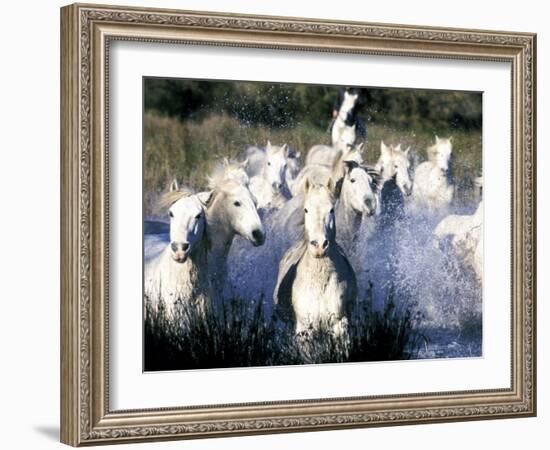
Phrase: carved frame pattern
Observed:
(86, 33)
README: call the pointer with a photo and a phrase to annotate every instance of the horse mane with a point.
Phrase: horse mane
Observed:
(374, 174)
(274, 149)
(223, 185)
(220, 171)
(169, 198)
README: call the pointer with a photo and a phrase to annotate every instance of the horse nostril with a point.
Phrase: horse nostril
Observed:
(185, 246)
(314, 243)
(325, 244)
(174, 247)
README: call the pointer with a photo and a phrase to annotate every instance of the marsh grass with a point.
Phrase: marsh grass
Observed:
(188, 150)
(242, 334)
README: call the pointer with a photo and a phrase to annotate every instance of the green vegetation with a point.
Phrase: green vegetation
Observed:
(275, 105)
(190, 125)
(242, 334)
(189, 150)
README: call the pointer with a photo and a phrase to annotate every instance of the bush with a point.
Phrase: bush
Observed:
(241, 334)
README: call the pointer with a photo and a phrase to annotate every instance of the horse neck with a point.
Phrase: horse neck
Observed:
(220, 232)
(387, 179)
(194, 269)
(347, 218)
(437, 176)
(316, 265)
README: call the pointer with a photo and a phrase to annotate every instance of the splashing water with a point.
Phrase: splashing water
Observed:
(398, 260)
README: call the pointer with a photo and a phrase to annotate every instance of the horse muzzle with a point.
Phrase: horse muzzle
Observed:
(370, 207)
(276, 187)
(318, 250)
(258, 237)
(180, 257)
(180, 251)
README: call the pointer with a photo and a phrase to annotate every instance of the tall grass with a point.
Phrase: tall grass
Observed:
(242, 334)
(189, 150)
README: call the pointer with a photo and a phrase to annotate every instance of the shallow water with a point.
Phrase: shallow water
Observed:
(395, 259)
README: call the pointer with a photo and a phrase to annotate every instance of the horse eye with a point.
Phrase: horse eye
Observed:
(268, 163)
(352, 180)
(170, 213)
(305, 210)
(237, 204)
(198, 216)
(332, 211)
(395, 166)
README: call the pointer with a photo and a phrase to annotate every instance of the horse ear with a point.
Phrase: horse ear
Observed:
(205, 197)
(285, 149)
(450, 139)
(225, 161)
(406, 151)
(437, 139)
(268, 144)
(398, 147)
(174, 186)
(244, 164)
(297, 155)
(307, 186)
(384, 148)
(360, 146)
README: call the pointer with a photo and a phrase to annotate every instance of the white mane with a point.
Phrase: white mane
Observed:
(228, 170)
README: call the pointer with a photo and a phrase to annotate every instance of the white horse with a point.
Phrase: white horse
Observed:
(432, 190)
(230, 211)
(356, 187)
(466, 234)
(180, 273)
(358, 200)
(393, 166)
(344, 132)
(268, 175)
(327, 155)
(316, 172)
(316, 283)
(229, 170)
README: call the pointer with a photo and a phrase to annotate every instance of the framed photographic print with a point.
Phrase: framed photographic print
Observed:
(276, 225)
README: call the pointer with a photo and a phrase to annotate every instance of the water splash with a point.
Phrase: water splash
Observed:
(398, 260)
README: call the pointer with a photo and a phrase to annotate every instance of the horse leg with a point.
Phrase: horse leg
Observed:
(340, 328)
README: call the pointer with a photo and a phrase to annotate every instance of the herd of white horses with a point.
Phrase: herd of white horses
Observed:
(320, 208)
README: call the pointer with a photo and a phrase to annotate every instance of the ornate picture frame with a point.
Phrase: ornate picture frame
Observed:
(87, 32)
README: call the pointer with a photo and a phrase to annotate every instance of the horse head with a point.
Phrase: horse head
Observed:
(237, 211)
(276, 165)
(319, 221)
(187, 221)
(394, 163)
(441, 153)
(360, 188)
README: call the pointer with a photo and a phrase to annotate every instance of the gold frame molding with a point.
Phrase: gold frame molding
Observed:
(86, 31)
